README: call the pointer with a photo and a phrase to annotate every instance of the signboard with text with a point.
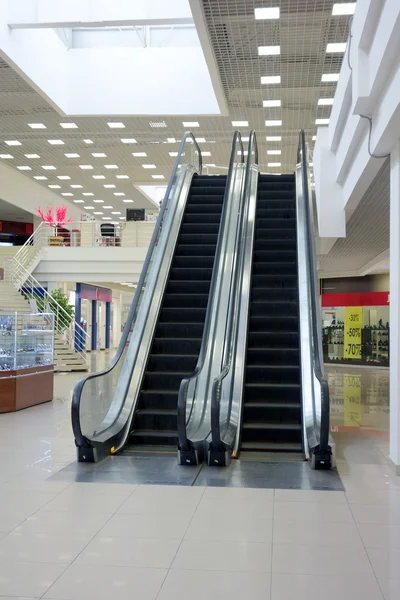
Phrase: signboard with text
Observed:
(352, 332)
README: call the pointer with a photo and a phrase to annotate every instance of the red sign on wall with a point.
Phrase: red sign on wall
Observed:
(356, 299)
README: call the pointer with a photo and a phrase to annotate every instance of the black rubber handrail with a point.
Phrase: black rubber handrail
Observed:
(183, 442)
(80, 439)
(302, 159)
(233, 307)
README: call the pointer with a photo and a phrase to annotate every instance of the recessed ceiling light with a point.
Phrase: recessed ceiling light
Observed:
(115, 212)
(329, 77)
(87, 194)
(128, 201)
(173, 153)
(274, 138)
(98, 213)
(88, 141)
(12, 143)
(79, 201)
(240, 123)
(63, 177)
(269, 50)
(116, 125)
(190, 124)
(171, 140)
(157, 124)
(149, 166)
(270, 79)
(55, 187)
(347, 8)
(108, 206)
(88, 207)
(271, 103)
(273, 123)
(49, 167)
(122, 218)
(72, 155)
(98, 176)
(69, 125)
(336, 48)
(158, 177)
(40, 177)
(67, 194)
(6, 156)
(85, 167)
(122, 176)
(201, 140)
(32, 155)
(37, 125)
(111, 167)
(245, 138)
(119, 194)
(24, 168)
(314, 137)
(138, 154)
(109, 186)
(322, 121)
(325, 102)
(99, 155)
(106, 218)
(274, 164)
(206, 153)
(56, 142)
(128, 141)
(267, 13)
(76, 186)
(99, 201)
(274, 152)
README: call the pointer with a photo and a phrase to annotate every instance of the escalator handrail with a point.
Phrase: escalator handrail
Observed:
(318, 366)
(183, 442)
(234, 305)
(80, 439)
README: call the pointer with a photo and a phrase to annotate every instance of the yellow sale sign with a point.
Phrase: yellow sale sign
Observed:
(352, 332)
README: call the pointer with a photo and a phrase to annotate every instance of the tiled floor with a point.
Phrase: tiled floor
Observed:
(64, 540)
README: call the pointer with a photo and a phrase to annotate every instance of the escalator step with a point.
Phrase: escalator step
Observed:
(274, 268)
(182, 315)
(272, 374)
(187, 287)
(179, 330)
(164, 345)
(265, 322)
(274, 339)
(273, 356)
(154, 437)
(195, 250)
(185, 300)
(171, 362)
(194, 274)
(272, 446)
(153, 399)
(273, 392)
(274, 294)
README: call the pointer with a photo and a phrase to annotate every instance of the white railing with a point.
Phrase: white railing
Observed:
(65, 327)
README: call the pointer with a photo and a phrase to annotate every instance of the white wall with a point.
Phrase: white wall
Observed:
(343, 168)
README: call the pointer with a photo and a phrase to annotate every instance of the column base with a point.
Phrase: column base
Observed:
(395, 468)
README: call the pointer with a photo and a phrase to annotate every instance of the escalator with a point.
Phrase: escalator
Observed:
(270, 398)
(179, 331)
(133, 403)
(272, 394)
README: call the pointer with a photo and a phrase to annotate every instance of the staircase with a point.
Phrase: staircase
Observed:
(272, 419)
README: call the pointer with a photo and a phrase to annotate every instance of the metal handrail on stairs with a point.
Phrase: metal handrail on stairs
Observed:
(65, 327)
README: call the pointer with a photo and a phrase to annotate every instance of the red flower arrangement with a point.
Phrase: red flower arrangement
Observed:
(57, 220)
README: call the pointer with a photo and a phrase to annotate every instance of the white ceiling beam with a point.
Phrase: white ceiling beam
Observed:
(44, 14)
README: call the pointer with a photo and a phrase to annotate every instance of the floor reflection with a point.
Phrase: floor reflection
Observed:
(359, 412)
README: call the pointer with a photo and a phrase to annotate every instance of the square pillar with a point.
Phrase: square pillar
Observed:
(394, 454)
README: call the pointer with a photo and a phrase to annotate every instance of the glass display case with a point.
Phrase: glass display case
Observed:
(26, 359)
(26, 340)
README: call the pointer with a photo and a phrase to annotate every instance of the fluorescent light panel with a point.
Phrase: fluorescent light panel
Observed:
(122, 176)
(116, 125)
(12, 143)
(274, 152)
(267, 13)
(190, 124)
(346, 8)
(325, 102)
(37, 125)
(273, 123)
(330, 77)
(138, 154)
(271, 103)
(274, 138)
(270, 79)
(99, 155)
(274, 164)
(5, 156)
(240, 123)
(72, 155)
(111, 166)
(32, 155)
(69, 125)
(49, 167)
(56, 142)
(86, 167)
(269, 50)
(149, 166)
(336, 48)
(24, 168)
(322, 121)
(128, 141)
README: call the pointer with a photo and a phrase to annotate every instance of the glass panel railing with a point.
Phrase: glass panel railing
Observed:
(195, 391)
(226, 394)
(315, 391)
(103, 403)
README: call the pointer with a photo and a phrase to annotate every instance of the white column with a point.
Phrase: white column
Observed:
(394, 455)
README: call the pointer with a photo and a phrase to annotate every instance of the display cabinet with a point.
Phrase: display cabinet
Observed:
(26, 359)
